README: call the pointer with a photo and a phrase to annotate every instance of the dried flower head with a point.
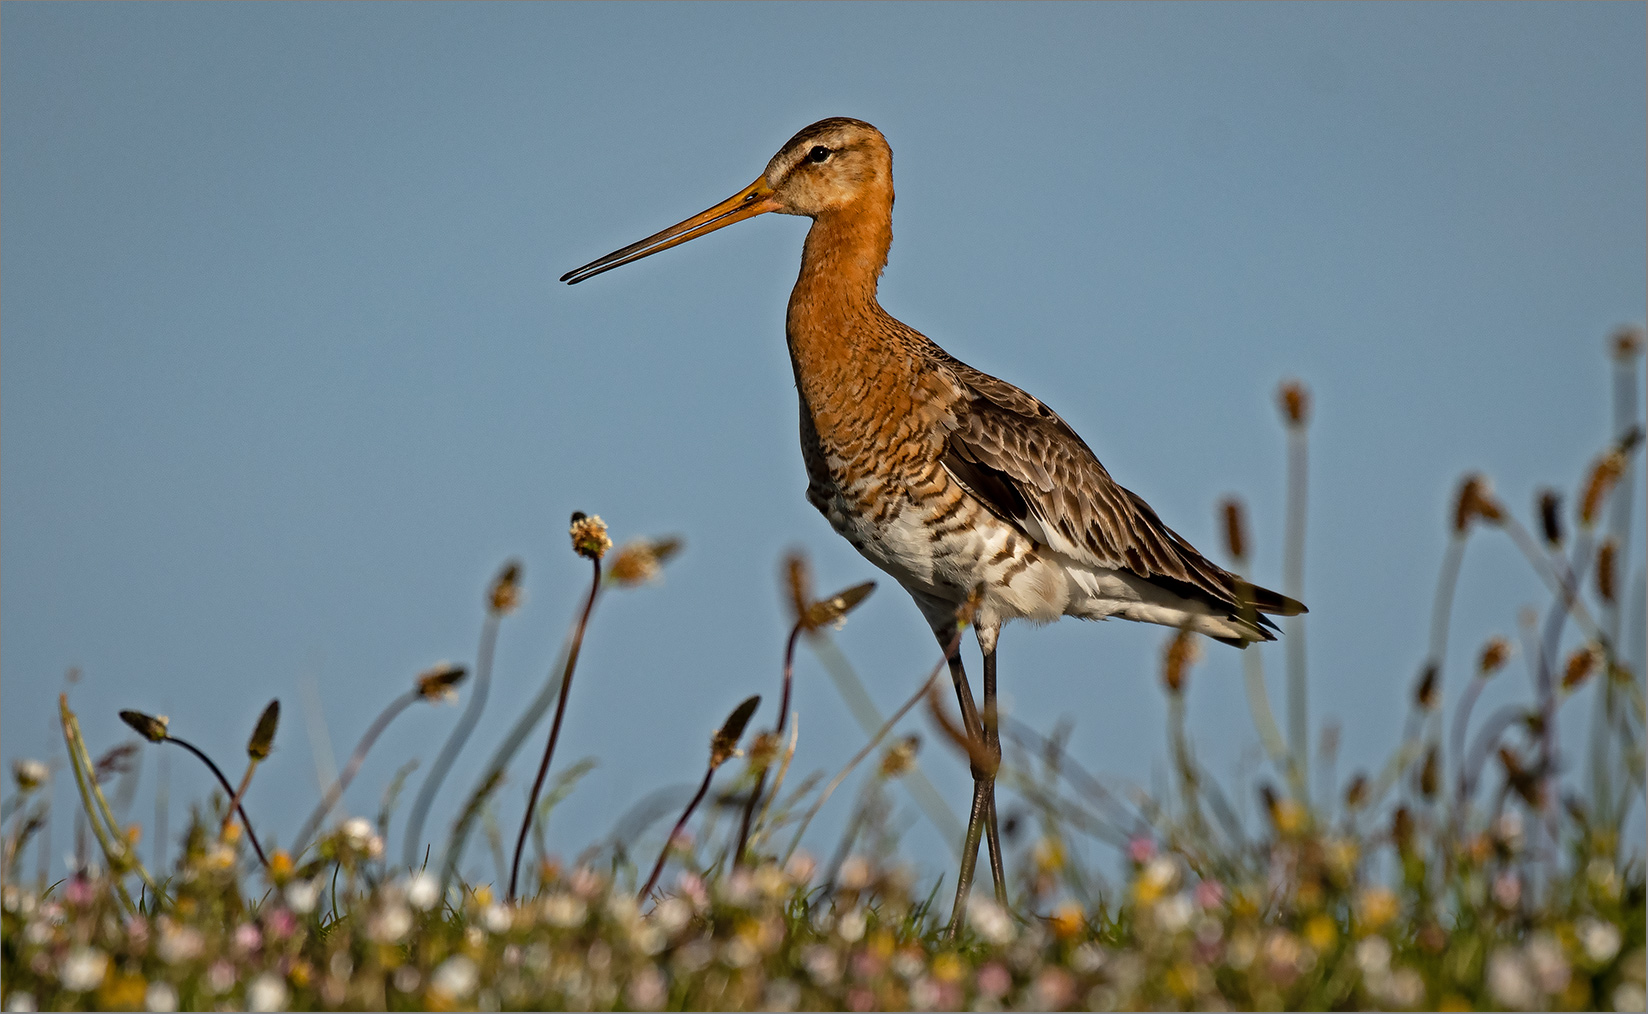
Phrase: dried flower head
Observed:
(263, 737)
(1294, 399)
(640, 561)
(439, 681)
(1519, 778)
(834, 610)
(589, 536)
(1475, 500)
(1430, 773)
(1425, 693)
(1235, 528)
(1580, 665)
(1550, 517)
(900, 757)
(798, 581)
(724, 744)
(117, 760)
(1604, 474)
(1402, 828)
(505, 595)
(29, 774)
(1494, 656)
(1356, 793)
(1182, 652)
(1627, 343)
(1605, 575)
(150, 727)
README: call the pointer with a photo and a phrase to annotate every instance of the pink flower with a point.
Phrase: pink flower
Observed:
(1141, 850)
(994, 980)
(1210, 894)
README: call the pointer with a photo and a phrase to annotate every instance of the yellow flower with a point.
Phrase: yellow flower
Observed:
(1376, 907)
(280, 865)
(1321, 932)
(1067, 920)
(948, 968)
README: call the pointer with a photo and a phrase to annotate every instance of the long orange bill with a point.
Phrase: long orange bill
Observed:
(753, 200)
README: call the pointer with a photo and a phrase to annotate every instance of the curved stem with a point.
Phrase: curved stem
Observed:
(658, 868)
(335, 792)
(1293, 582)
(228, 789)
(555, 726)
(454, 743)
(783, 717)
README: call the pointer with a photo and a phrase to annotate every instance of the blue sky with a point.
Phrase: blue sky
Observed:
(287, 374)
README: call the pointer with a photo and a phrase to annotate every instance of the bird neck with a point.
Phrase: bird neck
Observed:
(834, 319)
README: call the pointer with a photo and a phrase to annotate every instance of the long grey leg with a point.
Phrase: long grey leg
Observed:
(981, 814)
(992, 740)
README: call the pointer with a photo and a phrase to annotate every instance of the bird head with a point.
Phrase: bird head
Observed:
(832, 166)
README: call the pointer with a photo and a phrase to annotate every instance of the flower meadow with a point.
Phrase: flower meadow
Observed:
(1486, 865)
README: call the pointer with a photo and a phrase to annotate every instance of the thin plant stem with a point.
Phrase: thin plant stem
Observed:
(228, 790)
(1293, 581)
(115, 857)
(455, 742)
(783, 714)
(336, 790)
(869, 747)
(555, 726)
(663, 856)
(240, 793)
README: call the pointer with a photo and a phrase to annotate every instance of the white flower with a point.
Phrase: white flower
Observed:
(29, 774)
(180, 944)
(1373, 956)
(83, 969)
(1549, 966)
(564, 910)
(456, 977)
(854, 875)
(423, 891)
(671, 914)
(991, 920)
(496, 918)
(851, 925)
(1407, 988)
(1508, 979)
(1600, 940)
(390, 923)
(1160, 873)
(23, 1000)
(358, 832)
(1627, 996)
(266, 993)
(647, 990)
(1175, 912)
(301, 895)
(160, 996)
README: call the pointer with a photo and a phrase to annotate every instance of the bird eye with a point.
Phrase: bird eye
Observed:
(818, 154)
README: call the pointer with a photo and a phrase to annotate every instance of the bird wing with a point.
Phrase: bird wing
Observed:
(1028, 467)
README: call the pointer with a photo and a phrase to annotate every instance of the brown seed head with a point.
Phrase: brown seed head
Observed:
(1550, 517)
(263, 737)
(1356, 793)
(439, 682)
(834, 609)
(1519, 778)
(798, 581)
(1475, 500)
(1402, 828)
(1235, 528)
(900, 757)
(1181, 653)
(763, 750)
(1605, 568)
(589, 536)
(1425, 695)
(1579, 667)
(1294, 399)
(505, 595)
(150, 727)
(1604, 474)
(1430, 773)
(1627, 343)
(724, 744)
(640, 561)
(1494, 655)
(117, 760)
